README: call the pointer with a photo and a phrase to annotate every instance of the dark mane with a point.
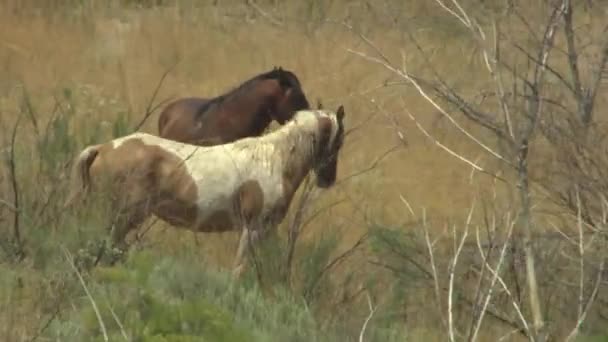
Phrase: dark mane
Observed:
(286, 79)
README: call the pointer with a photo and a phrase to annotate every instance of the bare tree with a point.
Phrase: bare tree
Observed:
(527, 106)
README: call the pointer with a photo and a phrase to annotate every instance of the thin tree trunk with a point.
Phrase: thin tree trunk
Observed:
(526, 226)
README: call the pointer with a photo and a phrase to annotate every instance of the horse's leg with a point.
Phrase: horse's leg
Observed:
(249, 211)
(239, 260)
(127, 220)
(248, 242)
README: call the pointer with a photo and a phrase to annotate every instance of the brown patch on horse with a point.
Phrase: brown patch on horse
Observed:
(149, 178)
(250, 200)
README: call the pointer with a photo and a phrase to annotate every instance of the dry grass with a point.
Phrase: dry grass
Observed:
(122, 55)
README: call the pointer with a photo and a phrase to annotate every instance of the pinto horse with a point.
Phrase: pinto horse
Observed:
(242, 112)
(248, 184)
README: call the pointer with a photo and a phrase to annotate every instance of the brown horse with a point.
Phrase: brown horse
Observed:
(246, 185)
(242, 112)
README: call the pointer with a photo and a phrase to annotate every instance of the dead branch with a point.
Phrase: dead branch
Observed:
(590, 302)
(372, 310)
(451, 288)
(102, 326)
(371, 166)
(15, 186)
(9, 205)
(264, 14)
(333, 263)
(149, 109)
(452, 152)
(494, 278)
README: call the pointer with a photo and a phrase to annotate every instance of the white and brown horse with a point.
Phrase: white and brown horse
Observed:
(248, 184)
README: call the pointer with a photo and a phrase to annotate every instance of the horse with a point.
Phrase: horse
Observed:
(244, 111)
(247, 185)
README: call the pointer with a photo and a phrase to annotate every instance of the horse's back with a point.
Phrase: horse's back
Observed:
(179, 117)
(186, 105)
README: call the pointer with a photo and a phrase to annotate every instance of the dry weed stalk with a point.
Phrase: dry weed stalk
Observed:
(372, 311)
(102, 325)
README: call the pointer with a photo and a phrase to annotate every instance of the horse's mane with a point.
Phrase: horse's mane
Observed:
(297, 138)
(286, 78)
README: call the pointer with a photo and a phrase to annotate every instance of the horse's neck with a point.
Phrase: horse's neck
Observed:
(297, 154)
(259, 103)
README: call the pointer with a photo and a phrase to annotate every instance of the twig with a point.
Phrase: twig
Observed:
(270, 18)
(333, 263)
(102, 326)
(46, 324)
(452, 270)
(9, 205)
(581, 250)
(15, 186)
(573, 58)
(372, 165)
(429, 246)
(450, 151)
(404, 74)
(120, 326)
(372, 310)
(149, 109)
(508, 292)
(591, 300)
(494, 278)
(407, 204)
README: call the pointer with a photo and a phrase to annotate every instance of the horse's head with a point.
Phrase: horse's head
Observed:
(291, 97)
(331, 138)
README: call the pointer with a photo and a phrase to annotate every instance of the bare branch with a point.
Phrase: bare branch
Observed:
(120, 326)
(372, 310)
(581, 250)
(590, 302)
(534, 59)
(102, 326)
(429, 246)
(596, 80)
(372, 165)
(265, 14)
(573, 58)
(452, 270)
(9, 205)
(450, 151)
(149, 109)
(494, 278)
(15, 186)
(337, 260)
(500, 84)
(383, 61)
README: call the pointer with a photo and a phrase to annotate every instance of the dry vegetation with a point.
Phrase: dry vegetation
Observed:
(75, 72)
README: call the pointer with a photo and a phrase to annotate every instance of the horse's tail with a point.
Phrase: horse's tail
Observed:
(80, 178)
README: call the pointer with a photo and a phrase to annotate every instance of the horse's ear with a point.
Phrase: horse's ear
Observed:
(340, 113)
